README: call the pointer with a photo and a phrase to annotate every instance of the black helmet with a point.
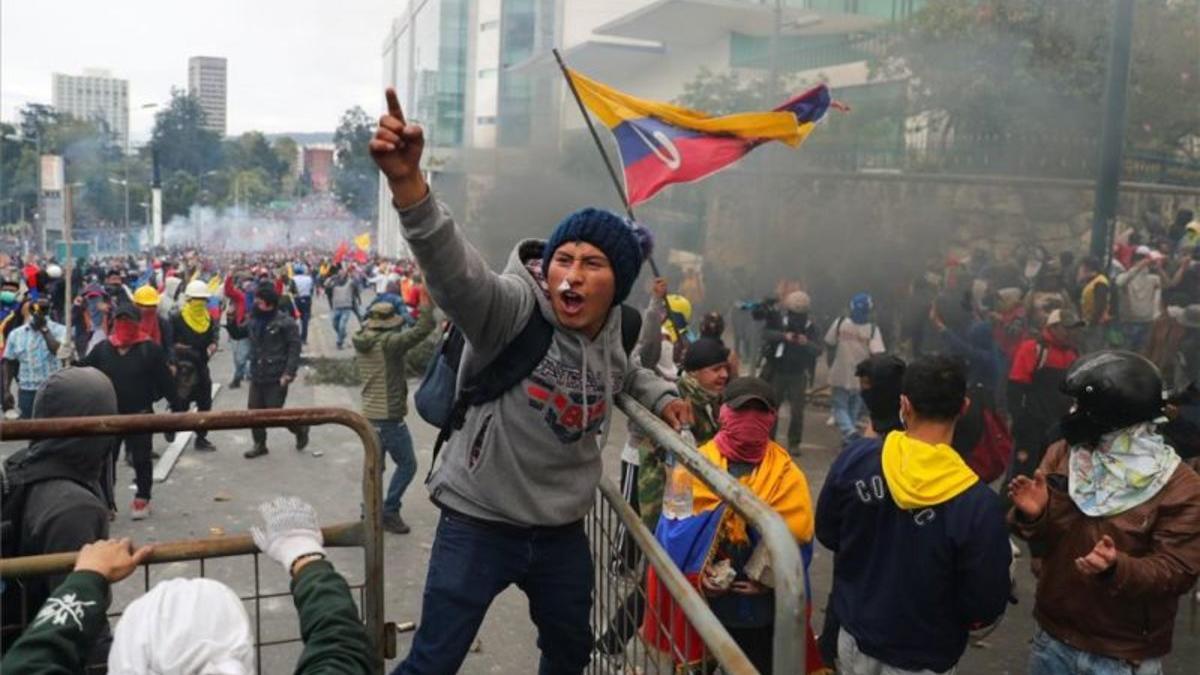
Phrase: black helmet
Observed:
(1112, 390)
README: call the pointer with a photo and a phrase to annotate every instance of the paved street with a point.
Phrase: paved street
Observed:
(216, 493)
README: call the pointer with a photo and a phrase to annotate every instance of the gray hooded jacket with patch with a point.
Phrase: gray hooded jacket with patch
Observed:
(531, 457)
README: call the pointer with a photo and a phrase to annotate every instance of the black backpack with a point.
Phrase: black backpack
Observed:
(436, 400)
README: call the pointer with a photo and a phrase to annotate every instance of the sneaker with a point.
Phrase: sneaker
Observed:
(302, 438)
(140, 510)
(392, 522)
(257, 451)
(205, 445)
(236, 384)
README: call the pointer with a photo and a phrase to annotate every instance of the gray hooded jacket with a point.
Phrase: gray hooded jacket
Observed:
(532, 456)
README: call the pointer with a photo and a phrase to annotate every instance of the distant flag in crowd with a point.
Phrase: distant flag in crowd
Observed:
(342, 249)
(661, 144)
(363, 241)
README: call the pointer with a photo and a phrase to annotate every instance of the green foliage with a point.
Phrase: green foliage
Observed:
(355, 177)
(1033, 67)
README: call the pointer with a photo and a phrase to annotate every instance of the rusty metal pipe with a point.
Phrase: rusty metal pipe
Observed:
(372, 477)
(343, 534)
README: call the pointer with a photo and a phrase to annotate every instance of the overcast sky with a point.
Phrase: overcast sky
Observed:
(294, 65)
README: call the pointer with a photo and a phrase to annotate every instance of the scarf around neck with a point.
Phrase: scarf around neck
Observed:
(1126, 469)
(195, 315)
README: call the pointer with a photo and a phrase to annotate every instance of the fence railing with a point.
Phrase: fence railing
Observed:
(366, 533)
(789, 638)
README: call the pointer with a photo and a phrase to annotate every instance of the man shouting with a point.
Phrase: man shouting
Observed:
(516, 481)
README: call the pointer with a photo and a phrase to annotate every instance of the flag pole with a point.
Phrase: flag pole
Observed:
(612, 171)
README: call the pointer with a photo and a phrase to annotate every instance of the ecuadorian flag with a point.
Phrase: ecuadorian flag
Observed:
(661, 144)
(691, 543)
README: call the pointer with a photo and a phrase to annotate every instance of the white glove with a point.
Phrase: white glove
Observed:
(291, 531)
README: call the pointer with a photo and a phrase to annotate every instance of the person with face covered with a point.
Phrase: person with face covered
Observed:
(68, 489)
(792, 343)
(732, 576)
(195, 336)
(31, 356)
(516, 480)
(274, 360)
(921, 552)
(1117, 518)
(138, 369)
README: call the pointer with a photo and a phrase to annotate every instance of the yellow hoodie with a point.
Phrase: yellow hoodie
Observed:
(921, 475)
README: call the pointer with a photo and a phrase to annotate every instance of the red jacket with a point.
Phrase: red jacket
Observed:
(1033, 354)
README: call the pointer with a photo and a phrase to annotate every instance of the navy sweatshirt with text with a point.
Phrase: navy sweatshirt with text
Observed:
(908, 585)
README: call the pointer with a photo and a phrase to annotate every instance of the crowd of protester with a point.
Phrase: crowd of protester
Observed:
(1034, 406)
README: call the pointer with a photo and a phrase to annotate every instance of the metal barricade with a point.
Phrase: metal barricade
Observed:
(366, 533)
(620, 578)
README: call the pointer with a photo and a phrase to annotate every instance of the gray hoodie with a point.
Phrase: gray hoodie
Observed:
(532, 456)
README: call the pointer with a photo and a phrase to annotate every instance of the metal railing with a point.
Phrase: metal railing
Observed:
(366, 533)
(789, 637)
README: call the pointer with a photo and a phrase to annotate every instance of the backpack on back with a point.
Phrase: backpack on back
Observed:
(440, 403)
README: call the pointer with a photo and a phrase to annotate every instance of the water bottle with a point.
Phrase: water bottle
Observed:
(677, 494)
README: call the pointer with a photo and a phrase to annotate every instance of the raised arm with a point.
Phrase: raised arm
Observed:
(487, 307)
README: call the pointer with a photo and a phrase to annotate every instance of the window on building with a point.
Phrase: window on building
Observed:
(487, 73)
(485, 119)
(492, 24)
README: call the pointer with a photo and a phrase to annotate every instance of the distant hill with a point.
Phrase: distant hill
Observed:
(305, 137)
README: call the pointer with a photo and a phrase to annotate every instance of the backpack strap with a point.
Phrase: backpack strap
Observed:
(508, 369)
(631, 328)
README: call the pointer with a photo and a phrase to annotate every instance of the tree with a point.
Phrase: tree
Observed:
(1037, 68)
(288, 152)
(355, 177)
(180, 140)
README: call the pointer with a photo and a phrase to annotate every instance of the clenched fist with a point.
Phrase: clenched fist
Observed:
(396, 149)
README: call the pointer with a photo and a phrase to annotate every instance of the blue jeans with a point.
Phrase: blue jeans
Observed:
(847, 410)
(472, 562)
(1051, 657)
(341, 318)
(241, 358)
(25, 402)
(398, 444)
(304, 304)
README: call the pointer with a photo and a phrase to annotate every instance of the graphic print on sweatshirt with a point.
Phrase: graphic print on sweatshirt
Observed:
(557, 389)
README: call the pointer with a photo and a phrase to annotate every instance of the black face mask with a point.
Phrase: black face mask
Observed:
(1079, 428)
(260, 312)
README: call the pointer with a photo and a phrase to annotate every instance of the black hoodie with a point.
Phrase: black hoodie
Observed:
(68, 505)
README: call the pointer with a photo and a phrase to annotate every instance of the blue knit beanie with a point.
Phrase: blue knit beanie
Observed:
(625, 244)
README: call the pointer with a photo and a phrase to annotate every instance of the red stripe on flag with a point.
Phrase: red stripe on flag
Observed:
(698, 157)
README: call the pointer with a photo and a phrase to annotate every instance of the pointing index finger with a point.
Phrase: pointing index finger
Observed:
(393, 104)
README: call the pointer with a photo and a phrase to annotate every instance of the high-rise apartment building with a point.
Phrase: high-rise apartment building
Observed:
(208, 82)
(95, 95)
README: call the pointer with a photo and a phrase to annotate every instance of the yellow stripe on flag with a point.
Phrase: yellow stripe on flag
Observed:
(363, 241)
(613, 107)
